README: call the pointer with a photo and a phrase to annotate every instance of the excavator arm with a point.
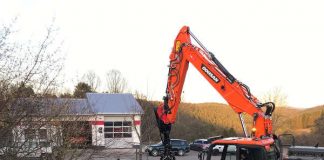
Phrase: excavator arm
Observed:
(233, 91)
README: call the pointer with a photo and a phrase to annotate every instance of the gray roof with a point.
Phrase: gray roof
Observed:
(94, 103)
(102, 103)
(75, 106)
(49, 106)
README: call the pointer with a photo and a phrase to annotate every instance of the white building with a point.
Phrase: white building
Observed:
(116, 120)
(107, 120)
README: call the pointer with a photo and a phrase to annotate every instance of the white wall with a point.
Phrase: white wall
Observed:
(98, 138)
(26, 150)
(137, 130)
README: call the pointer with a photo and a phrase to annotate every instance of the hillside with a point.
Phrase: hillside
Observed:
(285, 119)
(209, 119)
(215, 114)
(303, 121)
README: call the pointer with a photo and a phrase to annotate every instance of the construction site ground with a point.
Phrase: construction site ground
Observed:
(125, 154)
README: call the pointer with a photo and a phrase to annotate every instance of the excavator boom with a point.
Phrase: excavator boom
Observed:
(236, 93)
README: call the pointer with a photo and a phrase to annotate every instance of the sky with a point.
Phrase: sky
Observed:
(265, 44)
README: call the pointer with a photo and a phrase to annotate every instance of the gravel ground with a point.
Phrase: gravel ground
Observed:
(126, 154)
(192, 155)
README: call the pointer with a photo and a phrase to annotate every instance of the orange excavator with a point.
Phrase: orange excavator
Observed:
(258, 144)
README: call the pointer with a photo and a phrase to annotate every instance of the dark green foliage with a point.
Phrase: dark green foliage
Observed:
(23, 91)
(149, 130)
(66, 95)
(230, 133)
(81, 89)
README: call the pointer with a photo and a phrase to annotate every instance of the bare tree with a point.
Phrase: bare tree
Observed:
(280, 99)
(28, 73)
(148, 132)
(116, 83)
(275, 95)
(92, 79)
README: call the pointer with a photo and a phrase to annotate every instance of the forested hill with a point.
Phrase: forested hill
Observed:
(285, 119)
(303, 121)
(209, 119)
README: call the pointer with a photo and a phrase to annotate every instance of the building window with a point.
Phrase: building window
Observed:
(30, 138)
(30, 134)
(42, 134)
(118, 129)
(36, 138)
(43, 142)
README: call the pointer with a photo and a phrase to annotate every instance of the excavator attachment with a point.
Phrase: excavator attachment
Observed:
(165, 130)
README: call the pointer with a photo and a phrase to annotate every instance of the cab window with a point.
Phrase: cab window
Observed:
(251, 153)
(271, 154)
(233, 152)
(223, 152)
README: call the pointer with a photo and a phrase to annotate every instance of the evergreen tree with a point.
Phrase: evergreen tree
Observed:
(81, 89)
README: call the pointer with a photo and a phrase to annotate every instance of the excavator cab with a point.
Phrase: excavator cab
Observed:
(240, 149)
